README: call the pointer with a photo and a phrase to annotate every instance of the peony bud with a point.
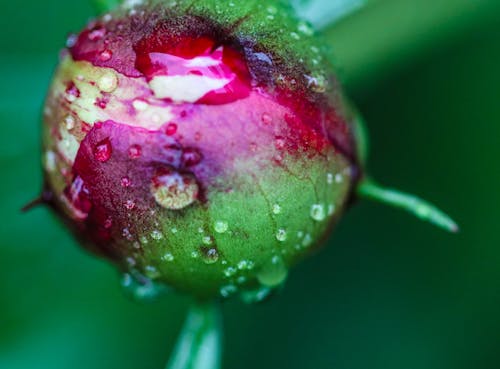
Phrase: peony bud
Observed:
(199, 145)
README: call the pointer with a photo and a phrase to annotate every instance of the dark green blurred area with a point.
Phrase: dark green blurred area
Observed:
(387, 292)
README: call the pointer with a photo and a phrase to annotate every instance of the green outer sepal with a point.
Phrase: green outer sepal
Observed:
(200, 343)
(422, 209)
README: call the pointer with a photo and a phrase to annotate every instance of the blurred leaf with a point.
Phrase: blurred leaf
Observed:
(324, 13)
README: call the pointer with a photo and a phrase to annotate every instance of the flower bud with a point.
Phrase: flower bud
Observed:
(198, 145)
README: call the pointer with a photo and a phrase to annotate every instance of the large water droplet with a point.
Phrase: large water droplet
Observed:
(173, 190)
(103, 150)
(318, 212)
(273, 273)
(210, 255)
(108, 82)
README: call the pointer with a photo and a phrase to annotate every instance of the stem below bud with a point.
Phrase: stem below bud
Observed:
(200, 343)
(413, 204)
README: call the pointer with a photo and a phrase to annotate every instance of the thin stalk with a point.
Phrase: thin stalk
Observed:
(413, 204)
(200, 343)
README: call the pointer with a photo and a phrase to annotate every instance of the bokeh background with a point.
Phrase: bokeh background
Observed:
(387, 292)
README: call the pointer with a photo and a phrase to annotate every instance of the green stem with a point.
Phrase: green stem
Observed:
(200, 343)
(413, 204)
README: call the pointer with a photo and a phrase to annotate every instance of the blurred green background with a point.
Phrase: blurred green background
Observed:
(387, 292)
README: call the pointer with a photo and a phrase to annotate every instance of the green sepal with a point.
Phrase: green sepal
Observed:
(422, 209)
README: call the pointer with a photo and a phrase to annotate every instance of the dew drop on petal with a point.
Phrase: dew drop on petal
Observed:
(103, 150)
(134, 151)
(173, 190)
(171, 129)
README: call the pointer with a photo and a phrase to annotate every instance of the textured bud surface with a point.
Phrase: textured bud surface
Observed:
(200, 146)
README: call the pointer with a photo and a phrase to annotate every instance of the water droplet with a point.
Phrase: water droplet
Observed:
(103, 150)
(171, 129)
(50, 161)
(125, 182)
(280, 143)
(273, 273)
(168, 257)
(221, 226)
(106, 55)
(331, 209)
(173, 190)
(306, 29)
(329, 178)
(208, 240)
(108, 223)
(294, 35)
(316, 83)
(69, 121)
(72, 92)
(230, 271)
(210, 255)
(276, 209)
(307, 241)
(243, 264)
(126, 233)
(96, 34)
(71, 40)
(108, 82)
(267, 119)
(130, 204)
(228, 290)
(318, 212)
(144, 240)
(241, 279)
(281, 235)
(191, 157)
(134, 152)
(140, 105)
(195, 254)
(151, 272)
(156, 235)
(339, 178)
(174, 230)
